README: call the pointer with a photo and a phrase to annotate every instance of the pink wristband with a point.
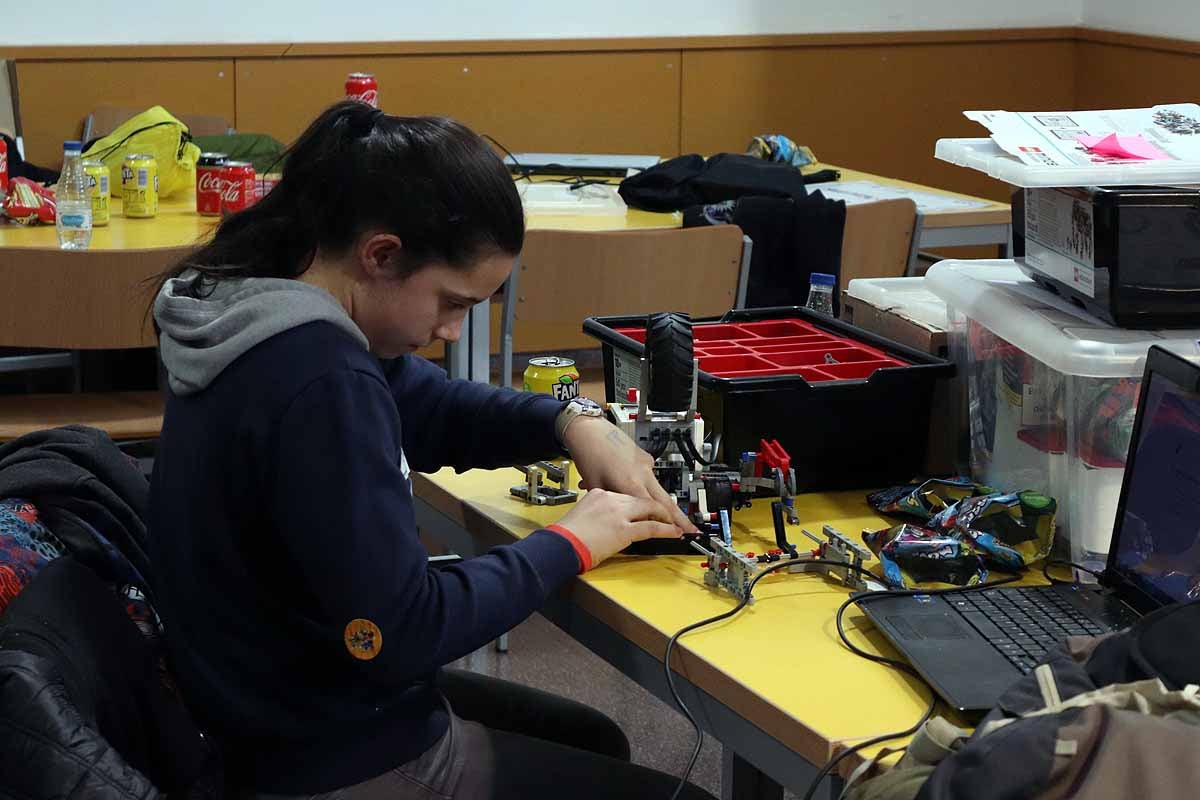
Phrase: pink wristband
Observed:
(585, 555)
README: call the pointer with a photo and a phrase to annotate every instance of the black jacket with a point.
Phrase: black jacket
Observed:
(83, 711)
(83, 485)
(691, 180)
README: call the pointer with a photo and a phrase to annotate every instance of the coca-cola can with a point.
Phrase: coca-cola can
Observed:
(3, 170)
(209, 183)
(363, 86)
(239, 189)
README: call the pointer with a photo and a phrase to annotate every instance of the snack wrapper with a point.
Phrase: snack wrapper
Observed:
(29, 202)
(960, 540)
(922, 500)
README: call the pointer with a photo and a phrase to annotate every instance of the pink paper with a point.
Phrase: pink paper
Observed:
(1120, 146)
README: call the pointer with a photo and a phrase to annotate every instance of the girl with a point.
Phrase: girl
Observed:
(306, 630)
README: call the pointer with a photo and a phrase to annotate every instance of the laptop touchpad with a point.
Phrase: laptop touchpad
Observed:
(927, 627)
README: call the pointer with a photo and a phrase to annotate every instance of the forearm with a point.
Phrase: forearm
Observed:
(466, 424)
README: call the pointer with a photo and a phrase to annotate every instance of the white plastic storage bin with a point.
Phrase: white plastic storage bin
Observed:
(985, 156)
(1052, 392)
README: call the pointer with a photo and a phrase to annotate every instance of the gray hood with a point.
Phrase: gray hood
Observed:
(203, 335)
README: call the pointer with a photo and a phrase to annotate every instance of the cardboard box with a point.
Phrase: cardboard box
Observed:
(893, 325)
(947, 453)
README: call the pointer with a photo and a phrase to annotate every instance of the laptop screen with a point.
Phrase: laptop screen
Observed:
(1157, 536)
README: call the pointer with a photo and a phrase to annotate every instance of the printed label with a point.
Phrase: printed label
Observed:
(1035, 406)
(1060, 237)
(627, 374)
(72, 220)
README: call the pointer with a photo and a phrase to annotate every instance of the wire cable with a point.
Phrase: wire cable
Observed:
(861, 597)
(709, 621)
(688, 447)
(854, 599)
(1058, 562)
(523, 170)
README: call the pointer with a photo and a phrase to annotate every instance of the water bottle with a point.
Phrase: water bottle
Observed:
(73, 204)
(820, 293)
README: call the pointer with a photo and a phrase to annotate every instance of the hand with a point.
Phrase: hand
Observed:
(608, 522)
(608, 459)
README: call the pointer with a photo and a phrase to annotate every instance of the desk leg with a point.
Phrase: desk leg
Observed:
(458, 354)
(741, 780)
(914, 245)
(470, 356)
(480, 339)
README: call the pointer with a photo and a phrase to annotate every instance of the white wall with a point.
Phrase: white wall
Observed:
(229, 21)
(1178, 19)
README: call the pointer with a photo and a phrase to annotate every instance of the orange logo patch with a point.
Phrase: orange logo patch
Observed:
(363, 639)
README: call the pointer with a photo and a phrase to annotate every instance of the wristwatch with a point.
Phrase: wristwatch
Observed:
(579, 407)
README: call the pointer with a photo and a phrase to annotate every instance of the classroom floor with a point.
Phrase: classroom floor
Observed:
(542, 656)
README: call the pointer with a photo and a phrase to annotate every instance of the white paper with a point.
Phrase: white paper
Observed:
(1048, 138)
(855, 192)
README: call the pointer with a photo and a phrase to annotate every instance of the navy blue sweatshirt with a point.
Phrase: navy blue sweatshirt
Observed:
(281, 514)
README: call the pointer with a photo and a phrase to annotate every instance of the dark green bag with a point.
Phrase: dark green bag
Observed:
(260, 149)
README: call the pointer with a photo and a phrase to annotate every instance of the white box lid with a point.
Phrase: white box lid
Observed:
(1003, 299)
(987, 157)
(559, 198)
(908, 297)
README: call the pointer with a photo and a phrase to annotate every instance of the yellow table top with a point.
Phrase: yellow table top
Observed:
(991, 214)
(779, 662)
(178, 223)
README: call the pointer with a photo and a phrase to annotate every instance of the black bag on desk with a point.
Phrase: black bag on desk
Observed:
(691, 180)
(1116, 716)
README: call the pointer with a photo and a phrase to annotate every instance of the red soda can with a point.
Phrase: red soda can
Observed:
(239, 189)
(362, 86)
(3, 170)
(209, 183)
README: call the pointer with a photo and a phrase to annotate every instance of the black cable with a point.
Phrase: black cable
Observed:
(726, 615)
(685, 443)
(854, 599)
(1050, 562)
(523, 170)
(583, 183)
(861, 597)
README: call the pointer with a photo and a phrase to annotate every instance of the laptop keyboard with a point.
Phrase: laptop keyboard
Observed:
(1022, 622)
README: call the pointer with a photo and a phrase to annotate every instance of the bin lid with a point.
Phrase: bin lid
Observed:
(989, 158)
(908, 297)
(1000, 297)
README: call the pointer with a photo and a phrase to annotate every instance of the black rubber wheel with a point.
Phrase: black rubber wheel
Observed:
(669, 351)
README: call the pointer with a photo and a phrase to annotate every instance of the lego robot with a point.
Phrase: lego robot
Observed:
(661, 417)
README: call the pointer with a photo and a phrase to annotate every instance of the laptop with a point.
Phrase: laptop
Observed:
(578, 164)
(972, 646)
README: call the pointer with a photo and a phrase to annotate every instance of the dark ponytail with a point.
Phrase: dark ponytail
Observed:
(429, 180)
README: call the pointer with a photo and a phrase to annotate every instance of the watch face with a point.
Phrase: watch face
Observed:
(587, 405)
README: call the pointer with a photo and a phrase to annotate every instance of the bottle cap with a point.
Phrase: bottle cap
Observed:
(822, 279)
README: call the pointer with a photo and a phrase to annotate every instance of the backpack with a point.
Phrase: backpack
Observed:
(1107, 717)
(155, 132)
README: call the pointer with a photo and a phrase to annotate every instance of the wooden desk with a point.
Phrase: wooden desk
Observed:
(986, 224)
(470, 357)
(773, 684)
(177, 224)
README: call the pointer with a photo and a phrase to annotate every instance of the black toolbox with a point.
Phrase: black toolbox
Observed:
(850, 407)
